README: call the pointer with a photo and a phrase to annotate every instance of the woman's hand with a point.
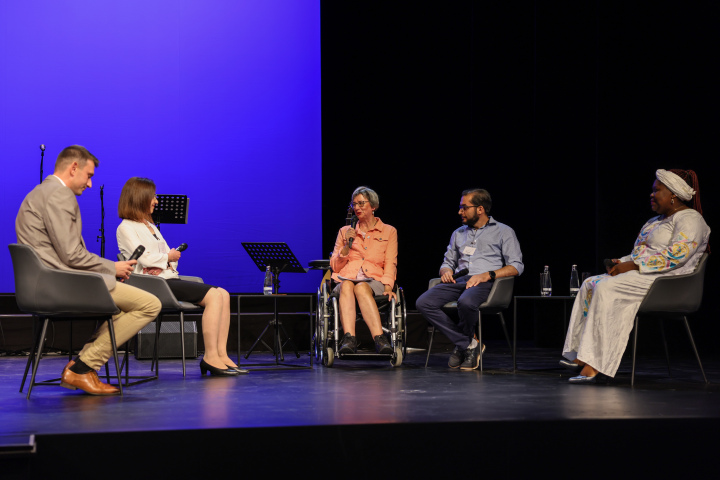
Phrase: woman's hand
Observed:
(349, 233)
(615, 261)
(388, 291)
(622, 267)
(173, 255)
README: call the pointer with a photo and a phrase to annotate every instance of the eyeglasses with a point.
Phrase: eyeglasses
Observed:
(464, 208)
(361, 204)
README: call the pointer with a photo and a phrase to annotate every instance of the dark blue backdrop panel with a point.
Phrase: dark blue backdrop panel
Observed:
(216, 100)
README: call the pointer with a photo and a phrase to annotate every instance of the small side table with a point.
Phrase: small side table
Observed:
(536, 298)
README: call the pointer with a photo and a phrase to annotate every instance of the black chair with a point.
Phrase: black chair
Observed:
(170, 306)
(673, 297)
(50, 294)
(498, 300)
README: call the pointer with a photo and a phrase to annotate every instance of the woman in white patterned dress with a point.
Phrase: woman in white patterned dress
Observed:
(604, 311)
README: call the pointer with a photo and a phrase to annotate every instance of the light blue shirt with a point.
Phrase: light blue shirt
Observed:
(495, 246)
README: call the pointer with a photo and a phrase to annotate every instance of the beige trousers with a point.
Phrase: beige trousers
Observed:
(138, 308)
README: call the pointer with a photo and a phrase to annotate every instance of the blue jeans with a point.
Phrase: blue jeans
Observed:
(459, 330)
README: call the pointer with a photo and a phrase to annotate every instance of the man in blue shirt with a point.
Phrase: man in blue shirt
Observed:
(488, 250)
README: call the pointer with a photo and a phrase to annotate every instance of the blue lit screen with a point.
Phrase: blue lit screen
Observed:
(217, 100)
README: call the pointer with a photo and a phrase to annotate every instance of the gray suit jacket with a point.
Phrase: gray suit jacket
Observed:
(49, 221)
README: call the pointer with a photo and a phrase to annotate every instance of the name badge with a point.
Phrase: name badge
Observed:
(469, 250)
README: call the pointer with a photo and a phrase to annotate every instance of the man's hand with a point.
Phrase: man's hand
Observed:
(173, 255)
(623, 267)
(124, 269)
(446, 276)
(477, 279)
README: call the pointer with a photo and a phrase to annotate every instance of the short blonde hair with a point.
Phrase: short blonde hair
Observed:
(74, 153)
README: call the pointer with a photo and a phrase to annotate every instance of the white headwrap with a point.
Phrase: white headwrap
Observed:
(675, 184)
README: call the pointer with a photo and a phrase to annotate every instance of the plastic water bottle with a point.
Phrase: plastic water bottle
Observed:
(574, 282)
(545, 283)
(268, 286)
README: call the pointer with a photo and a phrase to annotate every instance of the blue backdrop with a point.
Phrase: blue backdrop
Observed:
(217, 100)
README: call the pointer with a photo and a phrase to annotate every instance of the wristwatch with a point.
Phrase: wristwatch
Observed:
(492, 276)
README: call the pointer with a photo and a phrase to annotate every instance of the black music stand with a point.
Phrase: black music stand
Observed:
(171, 209)
(279, 257)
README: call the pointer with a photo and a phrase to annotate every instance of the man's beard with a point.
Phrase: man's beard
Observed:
(470, 221)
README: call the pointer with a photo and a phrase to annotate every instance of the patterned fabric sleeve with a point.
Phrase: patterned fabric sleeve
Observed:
(686, 236)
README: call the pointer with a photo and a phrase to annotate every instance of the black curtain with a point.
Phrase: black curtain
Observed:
(562, 110)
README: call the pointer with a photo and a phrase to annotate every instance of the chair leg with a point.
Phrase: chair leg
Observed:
(665, 346)
(155, 364)
(111, 330)
(507, 337)
(126, 360)
(70, 352)
(31, 357)
(182, 339)
(38, 356)
(432, 335)
(480, 338)
(697, 355)
(634, 352)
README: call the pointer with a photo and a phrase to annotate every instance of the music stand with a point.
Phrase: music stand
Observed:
(171, 209)
(280, 258)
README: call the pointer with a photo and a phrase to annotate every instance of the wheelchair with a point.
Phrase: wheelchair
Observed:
(393, 315)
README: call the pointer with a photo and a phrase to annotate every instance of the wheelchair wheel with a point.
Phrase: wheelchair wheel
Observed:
(403, 320)
(329, 357)
(322, 343)
(397, 357)
(317, 341)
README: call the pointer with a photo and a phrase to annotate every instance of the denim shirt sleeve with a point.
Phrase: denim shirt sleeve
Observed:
(451, 255)
(511, 250)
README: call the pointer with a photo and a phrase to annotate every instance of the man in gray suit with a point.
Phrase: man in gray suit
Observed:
(49, 221)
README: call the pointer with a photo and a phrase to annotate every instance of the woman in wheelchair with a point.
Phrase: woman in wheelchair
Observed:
(364, 261)
(137, 202)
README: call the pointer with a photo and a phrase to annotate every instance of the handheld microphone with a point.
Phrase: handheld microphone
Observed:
(182, 247)
(42, 147)
(608, 264)
(461, 273)
(136, 254)
(353, 224)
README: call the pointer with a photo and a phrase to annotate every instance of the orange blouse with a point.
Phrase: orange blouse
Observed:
(376, 252)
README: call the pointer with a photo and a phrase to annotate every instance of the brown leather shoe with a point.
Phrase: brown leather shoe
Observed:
(87, 382)
(67, 367)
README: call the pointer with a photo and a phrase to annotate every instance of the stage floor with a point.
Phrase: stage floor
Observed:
(365, 392)
(355, 392)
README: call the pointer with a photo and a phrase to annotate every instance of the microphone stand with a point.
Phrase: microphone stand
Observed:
(42, 155)
(101, 237)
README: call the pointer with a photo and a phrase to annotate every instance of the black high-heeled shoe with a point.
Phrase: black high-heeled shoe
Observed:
(240, 371)
(223, 372)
